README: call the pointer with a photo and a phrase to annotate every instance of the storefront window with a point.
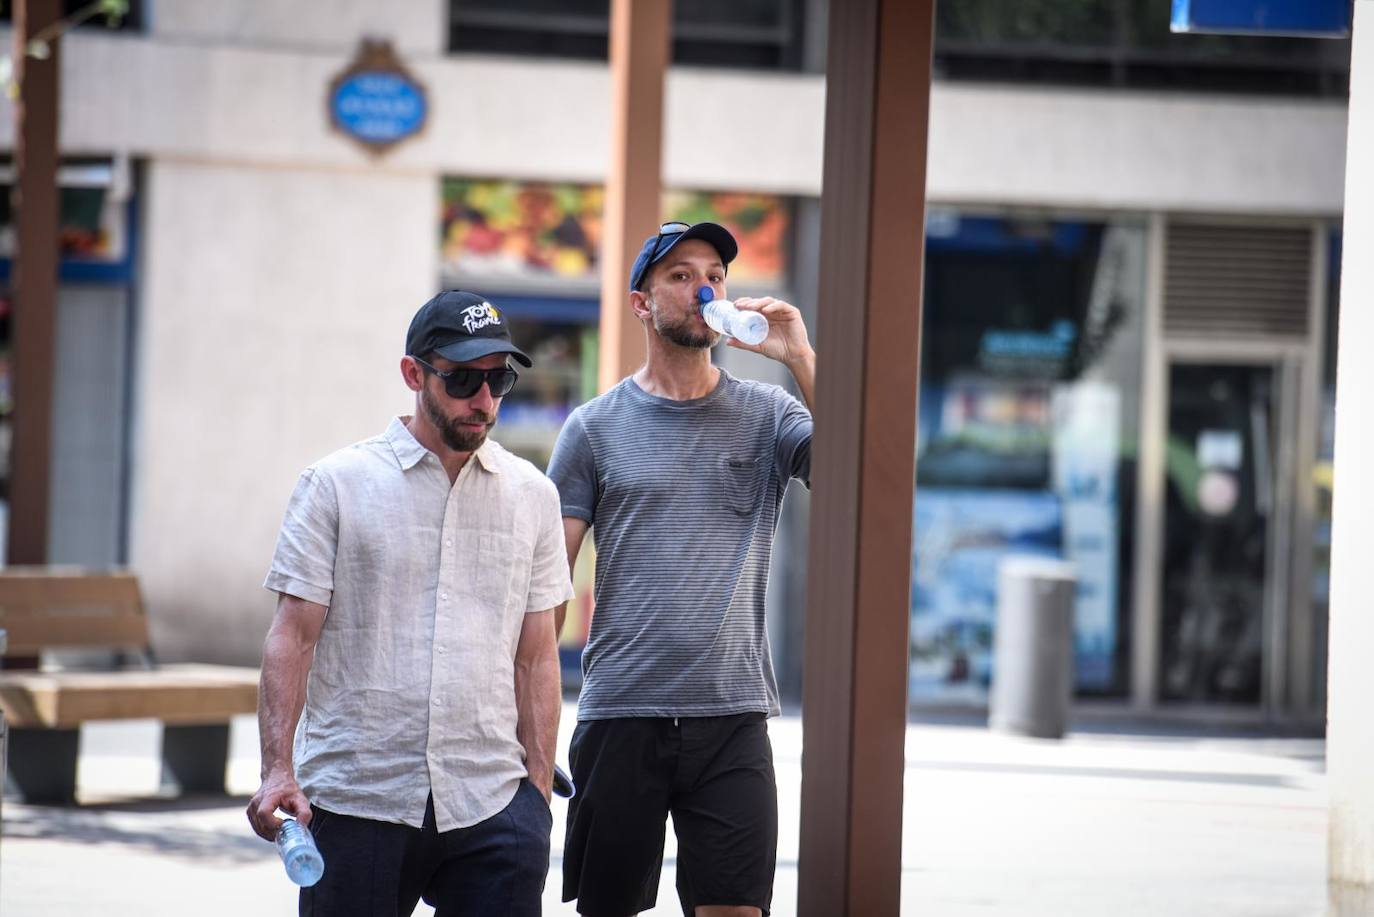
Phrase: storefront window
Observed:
(746, 34)
(546, 236)
(130, 21)
(94, 248)
(1030, 366)
(1126, 43)
(563, 376)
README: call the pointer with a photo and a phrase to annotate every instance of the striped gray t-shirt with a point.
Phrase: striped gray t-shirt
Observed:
(683, 499)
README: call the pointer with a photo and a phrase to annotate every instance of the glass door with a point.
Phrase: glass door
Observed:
(1223, 521)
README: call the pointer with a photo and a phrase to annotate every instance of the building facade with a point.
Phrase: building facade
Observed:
(1126, 359)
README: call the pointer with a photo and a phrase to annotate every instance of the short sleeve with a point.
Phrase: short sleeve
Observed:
(550, 580)
(794, 439)
(303, 563)
(573, 471)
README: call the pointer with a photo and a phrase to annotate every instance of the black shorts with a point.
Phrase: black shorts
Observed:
(713, 774)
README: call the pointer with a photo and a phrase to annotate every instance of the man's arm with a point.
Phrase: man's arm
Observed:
(803, 369)
(787, 342)
(574, 530)
(286, 658)
(538, 697)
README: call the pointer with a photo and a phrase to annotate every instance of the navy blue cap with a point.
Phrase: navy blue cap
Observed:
(670, 234)
(460, 326)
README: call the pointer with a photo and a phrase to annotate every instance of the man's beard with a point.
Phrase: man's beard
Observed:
(681, 332)
(456, 438)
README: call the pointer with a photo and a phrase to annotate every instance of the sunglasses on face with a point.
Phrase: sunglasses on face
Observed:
(464, 383)
(674, 228)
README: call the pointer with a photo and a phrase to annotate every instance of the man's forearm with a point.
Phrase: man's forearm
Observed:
(803, 369)
(281, 695)
(538, 696)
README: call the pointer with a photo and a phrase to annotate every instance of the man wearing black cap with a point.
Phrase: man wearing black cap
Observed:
(680, 471)
(412, 661)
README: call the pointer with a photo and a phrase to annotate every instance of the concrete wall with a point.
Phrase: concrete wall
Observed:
(322, 25)
(273, 319)
(1350, 728)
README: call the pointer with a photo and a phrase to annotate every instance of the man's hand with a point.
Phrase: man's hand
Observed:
(787, 341)
(279, 790)
(547, 791)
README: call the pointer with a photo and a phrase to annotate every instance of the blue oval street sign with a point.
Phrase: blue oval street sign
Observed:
(375, 101)
(379, 107)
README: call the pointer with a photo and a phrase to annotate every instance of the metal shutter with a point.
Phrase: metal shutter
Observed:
(1237, 281)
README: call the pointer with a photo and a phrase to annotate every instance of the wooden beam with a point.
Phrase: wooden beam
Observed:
(639, 59)
(35, 283)
(863, 456)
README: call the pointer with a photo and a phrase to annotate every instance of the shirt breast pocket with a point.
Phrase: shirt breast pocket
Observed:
(498, 565)
(742, 482)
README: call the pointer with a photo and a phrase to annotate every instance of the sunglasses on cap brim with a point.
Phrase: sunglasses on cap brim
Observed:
(671, 228)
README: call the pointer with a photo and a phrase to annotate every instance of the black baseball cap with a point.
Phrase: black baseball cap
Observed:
(670, 234)
(460, 326)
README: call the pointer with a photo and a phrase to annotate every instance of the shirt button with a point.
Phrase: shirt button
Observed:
(449, 542)
(443, 595)
(441, 649)
(438, 701)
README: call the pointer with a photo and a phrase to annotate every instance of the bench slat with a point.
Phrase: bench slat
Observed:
(39, 586)
(29, 634)
(58, 608)
(174, 694)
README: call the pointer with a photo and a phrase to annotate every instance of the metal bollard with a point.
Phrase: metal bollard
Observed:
(1032, 668)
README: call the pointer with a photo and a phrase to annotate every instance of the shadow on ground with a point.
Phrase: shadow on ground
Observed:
(163, 826)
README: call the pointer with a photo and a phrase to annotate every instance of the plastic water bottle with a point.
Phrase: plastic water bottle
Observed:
(302, 859)
(722, 315)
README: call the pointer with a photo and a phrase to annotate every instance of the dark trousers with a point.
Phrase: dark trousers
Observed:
(379, 869)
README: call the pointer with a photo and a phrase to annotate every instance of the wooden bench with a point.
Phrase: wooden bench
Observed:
(63, 609)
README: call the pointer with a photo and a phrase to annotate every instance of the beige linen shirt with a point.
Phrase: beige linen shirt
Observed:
(412, 689)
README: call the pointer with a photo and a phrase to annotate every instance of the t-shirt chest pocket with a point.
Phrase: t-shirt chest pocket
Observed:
(742, 479)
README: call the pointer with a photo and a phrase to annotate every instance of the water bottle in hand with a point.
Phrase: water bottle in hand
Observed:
(302, 859)
(721, 314)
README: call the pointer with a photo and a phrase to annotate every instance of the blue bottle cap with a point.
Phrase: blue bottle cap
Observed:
(705, 294)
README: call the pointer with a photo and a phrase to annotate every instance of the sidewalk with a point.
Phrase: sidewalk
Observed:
(1098, 824)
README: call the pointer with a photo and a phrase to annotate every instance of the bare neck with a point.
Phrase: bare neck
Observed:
(675, 372)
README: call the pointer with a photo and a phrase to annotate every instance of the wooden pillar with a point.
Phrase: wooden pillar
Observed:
(863, 456)
(639, 59)
(34, 283)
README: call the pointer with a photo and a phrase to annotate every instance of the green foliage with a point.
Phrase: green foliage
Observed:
(114, 11)
(40, 46)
